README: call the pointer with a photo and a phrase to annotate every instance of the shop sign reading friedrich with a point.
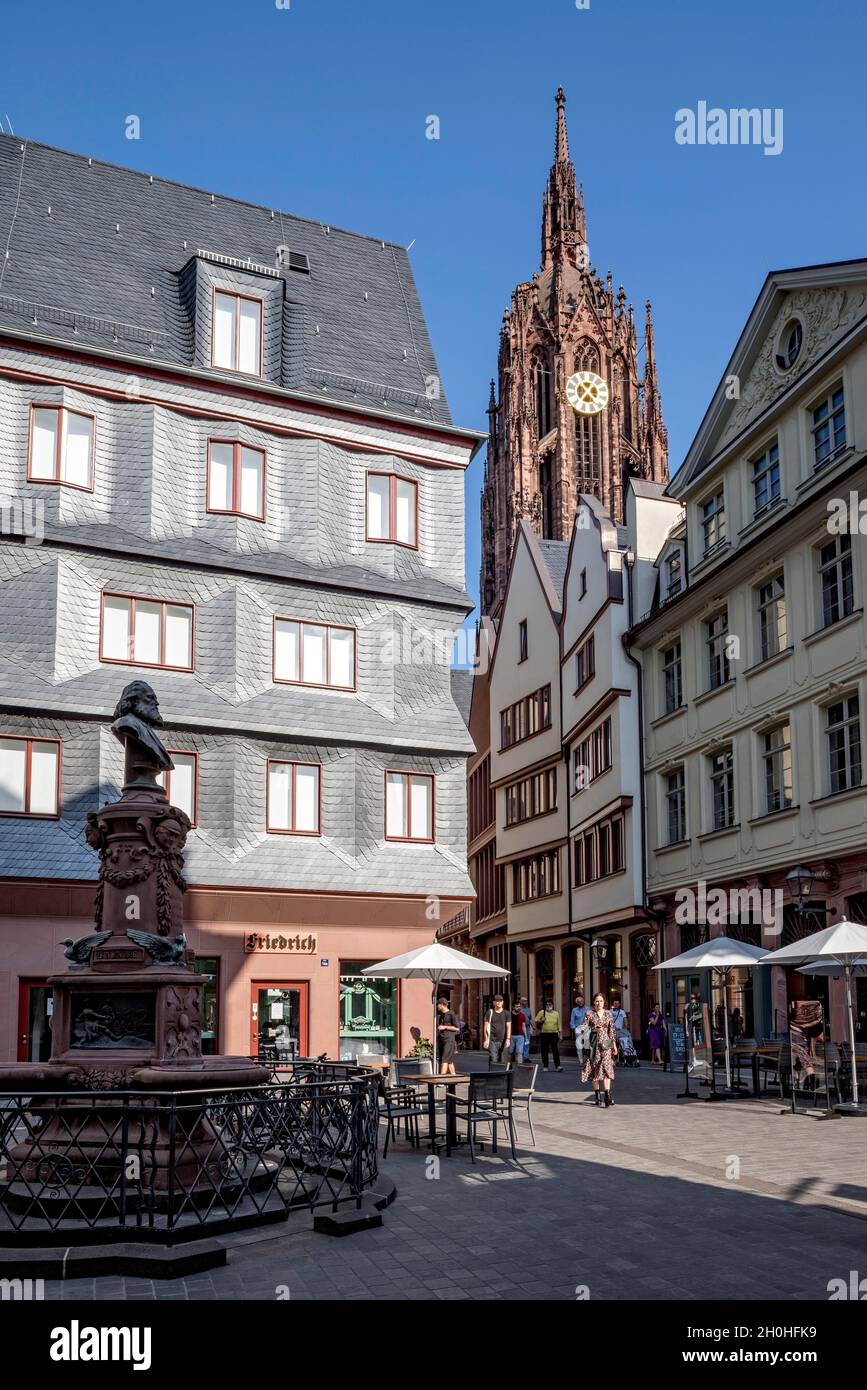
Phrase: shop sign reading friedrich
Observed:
(288, 945)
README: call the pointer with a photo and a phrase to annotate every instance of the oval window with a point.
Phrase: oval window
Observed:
(789, 345)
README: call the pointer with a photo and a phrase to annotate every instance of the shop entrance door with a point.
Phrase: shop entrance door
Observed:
(35, 1010)
(278, 1019)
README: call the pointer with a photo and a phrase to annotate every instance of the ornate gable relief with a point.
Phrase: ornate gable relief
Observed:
(826, 315)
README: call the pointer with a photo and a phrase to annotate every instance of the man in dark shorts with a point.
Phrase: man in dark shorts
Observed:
(447, 1034)
(498, 1031)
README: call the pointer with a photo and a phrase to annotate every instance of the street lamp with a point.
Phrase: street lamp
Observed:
(800, 884)
(600, 951)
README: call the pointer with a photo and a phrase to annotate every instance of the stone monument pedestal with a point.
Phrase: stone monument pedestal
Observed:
(127, 1013)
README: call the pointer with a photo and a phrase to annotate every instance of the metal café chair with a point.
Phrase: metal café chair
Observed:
(400, 1103)
(523, 1091)
(489, 1102)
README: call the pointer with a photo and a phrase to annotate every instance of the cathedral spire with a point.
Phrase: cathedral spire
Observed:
(564, 231)
(561, 140)
(649, 350)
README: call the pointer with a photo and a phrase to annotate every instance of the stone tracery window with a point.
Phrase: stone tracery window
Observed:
(543, 395)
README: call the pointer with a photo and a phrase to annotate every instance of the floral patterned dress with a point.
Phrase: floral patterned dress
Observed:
(599, 1063)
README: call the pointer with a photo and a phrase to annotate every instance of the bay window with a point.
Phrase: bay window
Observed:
(61, 447)
(236, 479)
(146, 632)
(293, 798)
(409, 800)
(392, 506)
(29, 776)
(314, 654)
(182, 783)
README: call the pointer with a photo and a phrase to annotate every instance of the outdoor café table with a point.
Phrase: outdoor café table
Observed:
(754, 1054)
(450, 1083)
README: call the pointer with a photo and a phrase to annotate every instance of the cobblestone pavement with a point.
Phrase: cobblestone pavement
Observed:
(678, 1199)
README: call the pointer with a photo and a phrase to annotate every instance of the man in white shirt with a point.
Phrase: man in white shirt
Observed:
(578, 1027)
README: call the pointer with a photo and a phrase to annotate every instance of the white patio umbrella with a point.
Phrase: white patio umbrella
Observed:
(832, 967)
(436, 963)
(843, 944)
(721, 954)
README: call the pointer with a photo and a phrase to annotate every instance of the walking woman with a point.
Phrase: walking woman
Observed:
(599, 1064)
(656, 1034)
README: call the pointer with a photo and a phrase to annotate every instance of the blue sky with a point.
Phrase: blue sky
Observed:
(321, 108)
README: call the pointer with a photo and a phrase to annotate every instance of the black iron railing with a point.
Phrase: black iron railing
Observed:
(165, 1165)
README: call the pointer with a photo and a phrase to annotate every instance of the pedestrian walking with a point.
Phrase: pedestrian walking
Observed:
(524, 1005)
(498, 1031)
(578, 1027)
(656, 1034)
(599, 1065)
(548, 1021)
(520, 1044)
(447, 1037)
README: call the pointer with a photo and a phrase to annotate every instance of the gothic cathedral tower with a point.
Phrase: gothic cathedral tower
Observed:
(571, 414)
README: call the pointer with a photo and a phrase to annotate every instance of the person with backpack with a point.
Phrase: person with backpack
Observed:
(498, 1032)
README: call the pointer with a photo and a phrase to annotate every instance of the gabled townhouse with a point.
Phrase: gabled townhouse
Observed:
(528, 776)
(614, 938)
(754, 650)
(228, 468)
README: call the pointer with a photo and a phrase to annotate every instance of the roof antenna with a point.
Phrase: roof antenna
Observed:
(9, 123)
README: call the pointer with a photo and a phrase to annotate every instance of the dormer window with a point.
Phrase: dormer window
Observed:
(673, 574)
(237, 333)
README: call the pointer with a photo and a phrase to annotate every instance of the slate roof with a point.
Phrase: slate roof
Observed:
(462, 691)
(556, 555)
(86, 270)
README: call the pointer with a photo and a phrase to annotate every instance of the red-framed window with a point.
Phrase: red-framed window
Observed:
(30, 777)
(293, 798)
(316, 654)
(236, 479)
(536, 877)
(392, 509)
(60, 449)
(409, 806)
(525, 717)
(530, 797)
(236, 332)
(136, 631)
(182, 783)
(599, 851)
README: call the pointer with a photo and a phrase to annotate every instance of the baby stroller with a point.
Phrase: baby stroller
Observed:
(626, 1054)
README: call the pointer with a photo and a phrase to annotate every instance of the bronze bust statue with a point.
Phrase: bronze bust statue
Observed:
(136, 717)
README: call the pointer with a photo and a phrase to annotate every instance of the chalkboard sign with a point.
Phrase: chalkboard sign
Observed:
(676, 1044)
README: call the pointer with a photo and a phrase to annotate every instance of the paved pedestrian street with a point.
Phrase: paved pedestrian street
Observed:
(679, 1200)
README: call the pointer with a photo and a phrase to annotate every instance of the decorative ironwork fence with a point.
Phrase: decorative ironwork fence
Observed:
(165, 1165)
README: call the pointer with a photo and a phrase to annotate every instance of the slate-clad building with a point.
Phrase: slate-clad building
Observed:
(227, 467)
